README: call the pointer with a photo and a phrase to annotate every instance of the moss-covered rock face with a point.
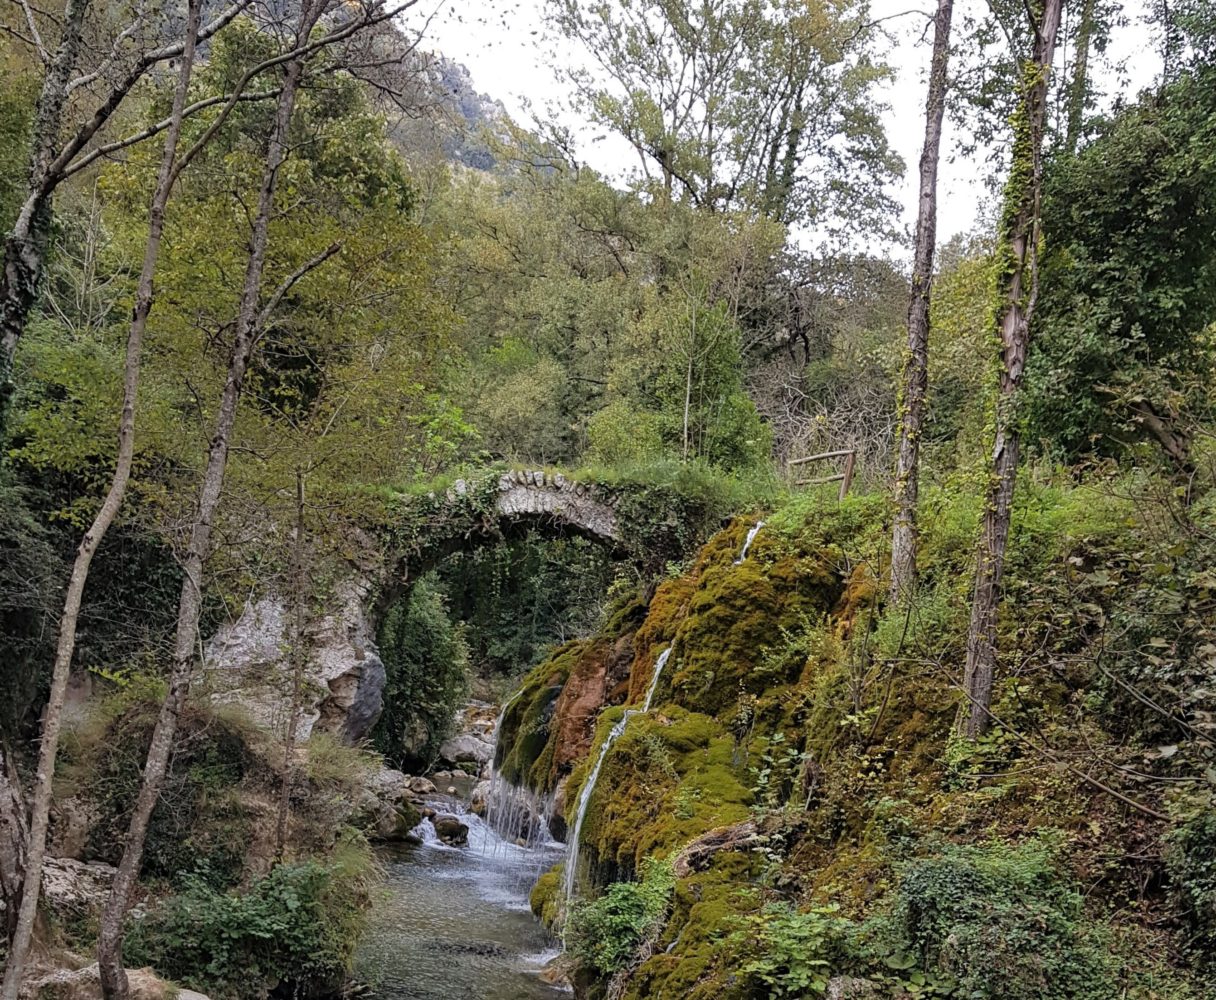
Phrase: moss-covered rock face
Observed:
(736, 614)
(526, 728)
(798, 767)
(671, 776)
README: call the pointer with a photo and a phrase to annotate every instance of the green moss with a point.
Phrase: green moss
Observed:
(696, 958)
(546, 898)
(526, 722)
(668, 779)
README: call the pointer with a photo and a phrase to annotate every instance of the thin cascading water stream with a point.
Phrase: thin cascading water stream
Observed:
(584, 800)
(570, 875)
(659, 664)
(747, 543)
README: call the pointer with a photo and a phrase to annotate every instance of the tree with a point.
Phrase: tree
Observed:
(916, 360)
(60, 151)
(1124, 351)
(730, 104)
(1019, 249)
(35, 847)
(254, 316)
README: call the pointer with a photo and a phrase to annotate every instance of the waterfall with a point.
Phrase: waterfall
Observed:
(584, 800)
(660, 663)
(747, 544)
(513, 812)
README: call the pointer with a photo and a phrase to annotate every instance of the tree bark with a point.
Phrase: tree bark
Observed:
(109, 951)
(25, 245)
(1078, 87)
(1020, 239)
(13, 837)
(299, 584)
(916, 361)
(66, 645)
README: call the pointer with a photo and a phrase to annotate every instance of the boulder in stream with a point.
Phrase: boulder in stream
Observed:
(450, 829)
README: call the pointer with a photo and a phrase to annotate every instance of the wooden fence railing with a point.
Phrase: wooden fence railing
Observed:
(845, 478)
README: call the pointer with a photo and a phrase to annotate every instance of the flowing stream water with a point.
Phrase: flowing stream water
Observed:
(747, 542)
(570, 875)
(454, 922)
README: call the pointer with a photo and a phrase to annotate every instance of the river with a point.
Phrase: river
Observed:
(454, 923)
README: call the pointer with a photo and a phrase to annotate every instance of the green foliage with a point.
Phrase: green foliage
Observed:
(28, 602)
(296, 928)
(1000, 920)
(1190, 859)
(605, 933)
(658, 62)
(426, 661)
(797, 949)
(18, 91)
(200, 828)
(624, 435)
(1129, 280)
(558, 583)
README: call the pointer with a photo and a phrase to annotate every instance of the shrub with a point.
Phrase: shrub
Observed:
(298, 925)
(200, 824)
(1000, 920)
(1190, 859)
(606, 933)
(797, 950)
(426, 663)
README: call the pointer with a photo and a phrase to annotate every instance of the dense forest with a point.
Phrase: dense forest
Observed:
(377, 472)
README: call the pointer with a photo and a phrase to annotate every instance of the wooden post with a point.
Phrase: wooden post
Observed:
(847, 481)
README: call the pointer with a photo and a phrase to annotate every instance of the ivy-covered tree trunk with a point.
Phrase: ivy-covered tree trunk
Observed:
(1019, 284)
(916, 361)
(25, 245)
(248, 322)
(66, 644)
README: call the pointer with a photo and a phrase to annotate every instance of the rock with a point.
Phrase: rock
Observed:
(452, 790)
(85, 984)
(466, 748)
(74, 888)
(479, 798)
(388, 784)
(384, 810)
(450, 829)
(245, 664)
(71, 821)
(850, 988)
(422, 786)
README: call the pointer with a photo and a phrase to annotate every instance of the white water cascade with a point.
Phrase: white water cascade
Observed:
(747, 543)
(516, 814)
(584, 799)
(570, 875)
(659, 664)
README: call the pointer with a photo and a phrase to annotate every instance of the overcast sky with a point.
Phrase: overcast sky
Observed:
(508, 52)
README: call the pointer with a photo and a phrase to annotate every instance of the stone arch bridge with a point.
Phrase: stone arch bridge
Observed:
(246, 661)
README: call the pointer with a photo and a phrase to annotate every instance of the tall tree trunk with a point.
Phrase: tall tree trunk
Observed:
(25, 245)
(109, 949)
(916, 361)
(1019, 245)
(53, 714)
(1078, 87)
(13, 837)
(299, 601)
